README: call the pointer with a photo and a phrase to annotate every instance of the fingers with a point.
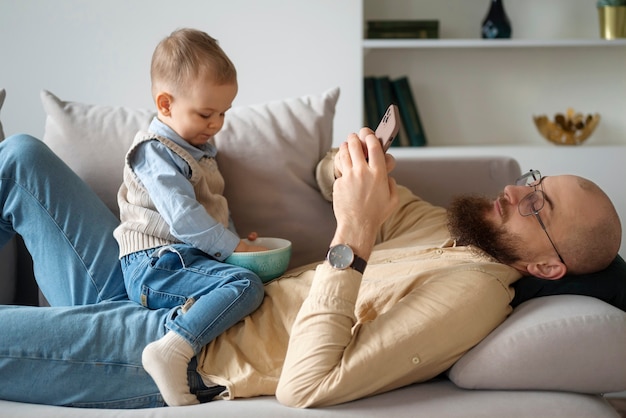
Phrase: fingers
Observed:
(364, 132)
(359, 147)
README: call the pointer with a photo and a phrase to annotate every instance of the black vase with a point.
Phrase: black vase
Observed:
(496, 23)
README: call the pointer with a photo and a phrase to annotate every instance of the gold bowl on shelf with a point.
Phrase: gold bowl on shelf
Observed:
(572, 128)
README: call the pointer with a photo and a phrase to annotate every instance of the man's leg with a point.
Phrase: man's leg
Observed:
(88, 356)
(66, 227)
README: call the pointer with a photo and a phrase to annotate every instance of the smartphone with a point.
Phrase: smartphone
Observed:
(388, 127)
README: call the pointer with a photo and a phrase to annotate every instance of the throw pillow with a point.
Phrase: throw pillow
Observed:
(3, 94)
(608, 285)
(93, 140)
(267, 154)
(545, 345)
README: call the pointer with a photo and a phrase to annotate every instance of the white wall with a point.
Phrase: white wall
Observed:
(99, 51)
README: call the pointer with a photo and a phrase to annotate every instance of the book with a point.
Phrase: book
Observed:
(415, 29)
(408, 112)
(369, 99)
(384, 97)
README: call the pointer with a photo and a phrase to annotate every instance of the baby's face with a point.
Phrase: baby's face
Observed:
(199, 114)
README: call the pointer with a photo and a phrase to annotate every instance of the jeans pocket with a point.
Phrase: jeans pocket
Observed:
(155, 299)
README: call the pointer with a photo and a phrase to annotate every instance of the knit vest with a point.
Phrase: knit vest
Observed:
(142, 227)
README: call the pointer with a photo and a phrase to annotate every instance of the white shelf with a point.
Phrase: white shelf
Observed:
(488, 43)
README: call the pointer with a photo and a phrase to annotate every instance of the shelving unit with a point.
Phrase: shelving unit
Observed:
(369, 44)
(473, 91)
(478, 97)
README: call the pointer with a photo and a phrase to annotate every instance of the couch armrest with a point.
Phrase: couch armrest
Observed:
(438, 179)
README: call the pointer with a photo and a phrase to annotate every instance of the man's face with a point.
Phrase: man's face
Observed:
(497, 227)
(469, 225)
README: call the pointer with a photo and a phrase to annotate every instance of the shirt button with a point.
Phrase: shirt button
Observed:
(415, 360)
(218, 255)
(439, 252)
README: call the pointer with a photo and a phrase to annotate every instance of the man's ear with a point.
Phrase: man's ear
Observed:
(552, 270)
(163, 102)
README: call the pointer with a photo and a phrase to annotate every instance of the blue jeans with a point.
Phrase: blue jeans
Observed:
(86, 349)
(169, 276)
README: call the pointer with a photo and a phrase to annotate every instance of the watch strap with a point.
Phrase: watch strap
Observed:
(359, 264)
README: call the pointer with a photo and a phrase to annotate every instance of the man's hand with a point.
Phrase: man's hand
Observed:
(389, 160)
(364, 196)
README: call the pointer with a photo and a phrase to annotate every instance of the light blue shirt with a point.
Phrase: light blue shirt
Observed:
(165, 175)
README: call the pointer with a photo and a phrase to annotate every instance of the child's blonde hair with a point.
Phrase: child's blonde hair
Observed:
(184, 56)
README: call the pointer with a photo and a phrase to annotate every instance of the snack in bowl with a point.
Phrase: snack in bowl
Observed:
(268, 264)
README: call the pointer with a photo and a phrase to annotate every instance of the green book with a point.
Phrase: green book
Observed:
(370, 106)
(416, 29)
(403, 34)
(384, 97)
(402, 24)
(408, 112)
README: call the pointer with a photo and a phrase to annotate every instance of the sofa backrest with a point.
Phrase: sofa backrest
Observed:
(267, 154)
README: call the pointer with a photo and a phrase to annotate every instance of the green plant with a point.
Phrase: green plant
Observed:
(605, 3)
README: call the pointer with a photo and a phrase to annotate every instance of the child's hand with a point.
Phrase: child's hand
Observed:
(244, 247)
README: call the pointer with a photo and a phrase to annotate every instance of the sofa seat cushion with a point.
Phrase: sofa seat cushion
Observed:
(436, 399)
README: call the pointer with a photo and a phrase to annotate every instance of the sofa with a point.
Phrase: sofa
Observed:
(555, 356)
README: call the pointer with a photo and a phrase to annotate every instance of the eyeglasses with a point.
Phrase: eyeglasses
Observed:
(533, 202)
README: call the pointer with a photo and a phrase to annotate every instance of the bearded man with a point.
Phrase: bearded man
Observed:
(405, 290)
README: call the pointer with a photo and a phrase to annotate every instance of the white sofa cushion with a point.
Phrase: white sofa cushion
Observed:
(266, 152)
(3, 94)
(563, 343)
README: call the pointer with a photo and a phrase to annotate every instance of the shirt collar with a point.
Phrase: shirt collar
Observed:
(161, 129)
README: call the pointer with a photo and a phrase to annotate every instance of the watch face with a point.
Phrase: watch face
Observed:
(340, 256)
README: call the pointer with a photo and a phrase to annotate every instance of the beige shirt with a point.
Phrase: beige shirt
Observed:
(420, 305)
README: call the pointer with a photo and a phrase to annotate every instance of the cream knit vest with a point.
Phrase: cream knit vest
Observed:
(142, 227)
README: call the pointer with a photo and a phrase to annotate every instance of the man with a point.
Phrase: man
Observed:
(395, 313)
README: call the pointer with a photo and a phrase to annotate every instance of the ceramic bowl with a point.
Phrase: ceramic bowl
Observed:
(268, 264)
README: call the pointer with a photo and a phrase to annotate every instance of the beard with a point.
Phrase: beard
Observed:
(468, 226)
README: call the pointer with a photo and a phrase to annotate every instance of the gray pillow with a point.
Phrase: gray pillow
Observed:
(563, 343)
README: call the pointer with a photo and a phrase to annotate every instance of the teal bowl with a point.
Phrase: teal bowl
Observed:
(268, 264)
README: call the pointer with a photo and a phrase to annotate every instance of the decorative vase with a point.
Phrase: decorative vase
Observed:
(496, 24)
(612, 22)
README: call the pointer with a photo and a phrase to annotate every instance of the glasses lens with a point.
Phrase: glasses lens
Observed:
(531, 204)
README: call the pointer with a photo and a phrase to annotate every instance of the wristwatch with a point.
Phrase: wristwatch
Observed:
(341, 257)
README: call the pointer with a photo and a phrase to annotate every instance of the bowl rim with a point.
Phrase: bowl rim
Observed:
(285, 245)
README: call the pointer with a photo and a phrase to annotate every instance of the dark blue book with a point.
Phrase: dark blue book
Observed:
(384, 97)
(369, 99)
(408, 112)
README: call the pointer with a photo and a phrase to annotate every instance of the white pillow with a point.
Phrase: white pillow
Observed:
(267, 154)
(563, 343)
(3, 94)
(93, 140)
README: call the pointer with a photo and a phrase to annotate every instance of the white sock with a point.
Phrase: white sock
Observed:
(166, 360)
